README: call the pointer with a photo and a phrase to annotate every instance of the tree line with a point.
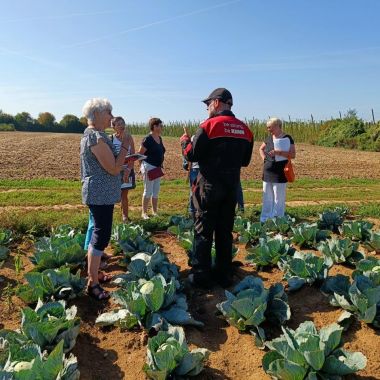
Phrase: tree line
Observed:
(45, 122)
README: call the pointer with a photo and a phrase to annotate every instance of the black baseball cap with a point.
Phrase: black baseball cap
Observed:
(220, 93)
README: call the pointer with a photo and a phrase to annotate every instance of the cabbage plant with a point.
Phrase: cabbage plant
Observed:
(269, 251)
(5, 239)
(151, 304)
(51, 283)
(145, 265)
(168, 356)
(249, 232)
(306, 353)
(357, 230)
(340, 251)
(361, 297)
(305, 234)
(22, 360)
(131, 239)
(250, 304)
(50, 323)
(373, 242)
(180, 224)
(280, 225)
(369, 267)
(330, 220)
(63, 247)
(303, 268)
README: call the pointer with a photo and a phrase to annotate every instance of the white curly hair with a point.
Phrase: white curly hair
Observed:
(93, 105)
(274, 121)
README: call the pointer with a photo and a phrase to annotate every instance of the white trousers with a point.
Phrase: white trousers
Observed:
(274, 195)
(151, 188)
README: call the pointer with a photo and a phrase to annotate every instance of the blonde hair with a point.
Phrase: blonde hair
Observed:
(274, 121)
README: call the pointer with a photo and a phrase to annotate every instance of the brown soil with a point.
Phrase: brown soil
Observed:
(108, 353)
(54, 155)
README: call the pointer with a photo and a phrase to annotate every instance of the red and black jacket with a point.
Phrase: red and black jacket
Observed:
(221, 146)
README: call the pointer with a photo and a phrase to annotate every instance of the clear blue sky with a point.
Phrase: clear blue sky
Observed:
(161, 57)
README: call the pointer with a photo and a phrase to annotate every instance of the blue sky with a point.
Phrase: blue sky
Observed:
(161, 57)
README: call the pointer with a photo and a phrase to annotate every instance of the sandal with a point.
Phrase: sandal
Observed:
(104, 277)
(100, 294)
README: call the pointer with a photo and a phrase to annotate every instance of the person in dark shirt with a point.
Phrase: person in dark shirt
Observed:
(154, 149)
(221, 146)
(275, 151)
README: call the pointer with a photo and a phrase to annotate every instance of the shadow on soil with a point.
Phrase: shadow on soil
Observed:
(94, 362)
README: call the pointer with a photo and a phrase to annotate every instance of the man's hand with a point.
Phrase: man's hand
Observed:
(184, 138)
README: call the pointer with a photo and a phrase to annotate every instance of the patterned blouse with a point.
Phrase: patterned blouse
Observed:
(98, 186)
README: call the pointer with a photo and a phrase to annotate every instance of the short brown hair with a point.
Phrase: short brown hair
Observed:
(154, 121)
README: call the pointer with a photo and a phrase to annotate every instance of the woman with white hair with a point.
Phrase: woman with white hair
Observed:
(100, 176)
(275, 152)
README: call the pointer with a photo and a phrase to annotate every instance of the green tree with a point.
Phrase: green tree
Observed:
(71, 123)
(24, 121)
(6, 118)
(46, 119)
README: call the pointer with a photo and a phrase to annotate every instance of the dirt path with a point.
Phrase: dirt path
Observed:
(55, 155)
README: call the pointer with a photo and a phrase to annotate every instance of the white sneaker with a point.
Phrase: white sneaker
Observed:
(145, 216)
(154, 214)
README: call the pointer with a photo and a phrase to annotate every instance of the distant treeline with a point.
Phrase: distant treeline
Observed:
(348, 131)
(45, 122)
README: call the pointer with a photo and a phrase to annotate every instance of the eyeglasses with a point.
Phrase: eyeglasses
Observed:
(208, 103)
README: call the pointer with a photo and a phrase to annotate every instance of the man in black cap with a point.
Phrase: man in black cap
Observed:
(221, 146)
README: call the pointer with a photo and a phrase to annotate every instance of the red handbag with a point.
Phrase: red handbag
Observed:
(155, 173)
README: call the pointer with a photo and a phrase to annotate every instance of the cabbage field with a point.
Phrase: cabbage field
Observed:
(305, 304)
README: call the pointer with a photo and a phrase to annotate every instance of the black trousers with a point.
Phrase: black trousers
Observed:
(214, 205)
(102, 215)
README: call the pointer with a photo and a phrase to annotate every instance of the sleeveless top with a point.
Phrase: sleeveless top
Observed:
(98, 186)
(274, 170)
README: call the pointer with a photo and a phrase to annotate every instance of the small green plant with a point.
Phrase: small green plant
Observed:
(18, 264)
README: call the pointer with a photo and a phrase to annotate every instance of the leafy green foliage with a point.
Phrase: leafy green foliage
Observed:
(145, 265)
(280, 225)
(55, 283)
(5, 239)
(303, 268)
(22, 360)
(305, 234)
(340, 251)
(369, 267)
(249, 232)
(331, 220)
(373, 242)
(250, 304)
(50, 323)
(168, 356)
(63, 247)
(269, 251)
(131, 239)
(362, 297)
(357, 230)
(308, 354)
(152, 304)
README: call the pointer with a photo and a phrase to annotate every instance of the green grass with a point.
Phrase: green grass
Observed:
(45, 193)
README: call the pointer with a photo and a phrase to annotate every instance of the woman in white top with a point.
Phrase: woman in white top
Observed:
(128, 179)
(275, 151)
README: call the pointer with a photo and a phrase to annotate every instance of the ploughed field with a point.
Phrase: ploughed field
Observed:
(27, 155)
(109, 353)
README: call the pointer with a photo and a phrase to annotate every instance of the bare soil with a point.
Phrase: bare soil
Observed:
(108, 353)
(27, 155)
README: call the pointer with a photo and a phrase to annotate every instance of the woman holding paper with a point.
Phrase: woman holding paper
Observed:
(275, 152)
(100, 175)
(128, 181)
(154, 150)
